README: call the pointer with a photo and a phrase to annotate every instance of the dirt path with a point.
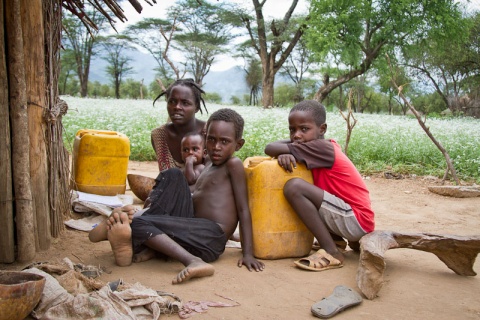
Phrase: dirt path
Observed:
(418, 285)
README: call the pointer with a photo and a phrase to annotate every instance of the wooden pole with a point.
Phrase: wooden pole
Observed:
(34, 55)
(24, 217)
(7, 240)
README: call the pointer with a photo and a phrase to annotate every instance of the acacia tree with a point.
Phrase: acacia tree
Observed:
(273, 47)
(82, 42)
(296, 66)
(149, 33)
(254, 80)
(253, 71)
(445, 63)
(115, 47)
(354, 33)
(204, 34)
(67, 71)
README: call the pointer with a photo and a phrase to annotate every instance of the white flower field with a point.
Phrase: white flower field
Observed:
(378, 142)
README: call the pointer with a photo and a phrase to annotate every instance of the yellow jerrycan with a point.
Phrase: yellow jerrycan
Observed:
(277, 231)
(100, 162)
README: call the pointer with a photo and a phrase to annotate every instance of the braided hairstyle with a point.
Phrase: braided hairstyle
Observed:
(197, 92)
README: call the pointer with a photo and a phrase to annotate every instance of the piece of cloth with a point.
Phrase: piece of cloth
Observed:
(171, 213)
(340, 177)
(338, 216)
(86, 223)
(132, 301)
(164, 156)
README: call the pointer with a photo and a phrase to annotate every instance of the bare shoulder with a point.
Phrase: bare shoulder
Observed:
(234, 163)
(234, 167)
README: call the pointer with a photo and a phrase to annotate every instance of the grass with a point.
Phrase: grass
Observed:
(378, 142)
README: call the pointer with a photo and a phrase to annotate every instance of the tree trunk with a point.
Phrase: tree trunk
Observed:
(20, 140)
(34, 54)
(267, 87)
(7, 241)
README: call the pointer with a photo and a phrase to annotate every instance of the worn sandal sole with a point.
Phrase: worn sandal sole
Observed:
(342, 298)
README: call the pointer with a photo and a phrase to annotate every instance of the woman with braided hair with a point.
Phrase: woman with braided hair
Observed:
(184, 98)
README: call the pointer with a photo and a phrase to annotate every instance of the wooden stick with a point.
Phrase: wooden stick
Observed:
(20, 140)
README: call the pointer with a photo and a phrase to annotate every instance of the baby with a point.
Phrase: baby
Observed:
(193, 155)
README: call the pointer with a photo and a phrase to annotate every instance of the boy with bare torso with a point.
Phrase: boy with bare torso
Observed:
(171, 227)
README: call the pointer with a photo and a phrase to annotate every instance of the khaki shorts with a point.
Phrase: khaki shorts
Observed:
(339, 218)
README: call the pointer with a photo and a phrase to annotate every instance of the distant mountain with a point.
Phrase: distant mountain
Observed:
(142, 68)
(226, 83)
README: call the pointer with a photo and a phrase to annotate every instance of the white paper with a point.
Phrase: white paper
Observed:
(111, 201)
(85, 224)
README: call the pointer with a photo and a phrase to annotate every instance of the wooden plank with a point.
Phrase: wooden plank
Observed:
(7, 241)
(24, 217)
(34, 56)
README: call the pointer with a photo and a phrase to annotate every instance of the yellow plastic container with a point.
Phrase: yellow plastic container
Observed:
(100, 162)
(277, 230)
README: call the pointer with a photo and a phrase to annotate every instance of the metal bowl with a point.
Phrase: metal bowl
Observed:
(19, 293)
(140, 185)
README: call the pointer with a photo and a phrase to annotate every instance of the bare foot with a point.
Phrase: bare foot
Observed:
(355, 245)
(128, 209)
(120, 237)
(145, 255)
(196, 269)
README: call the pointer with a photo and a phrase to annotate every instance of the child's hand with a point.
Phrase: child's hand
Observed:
(286, 161)
(251, 263)
(191, 159)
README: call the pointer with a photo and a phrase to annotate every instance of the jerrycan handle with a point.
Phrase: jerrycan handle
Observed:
(257, 160)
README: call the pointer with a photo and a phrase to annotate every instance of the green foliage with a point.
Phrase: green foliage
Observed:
(429, 103)
(81, 44)
(355, 34)
(130, 89)
(235, 100)
(285, 95)
(246, 99)
(154, 89)
(96, 89)
(213, 97)
(70, 86)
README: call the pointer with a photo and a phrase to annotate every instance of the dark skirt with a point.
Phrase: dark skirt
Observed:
(171, 213)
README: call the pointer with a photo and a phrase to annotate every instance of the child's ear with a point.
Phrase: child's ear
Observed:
(323, 128)
(240, 143)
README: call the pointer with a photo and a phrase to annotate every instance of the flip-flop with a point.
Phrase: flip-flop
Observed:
(342, 298)
(319, 261)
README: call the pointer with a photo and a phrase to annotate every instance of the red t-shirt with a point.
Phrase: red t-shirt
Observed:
(333, 172)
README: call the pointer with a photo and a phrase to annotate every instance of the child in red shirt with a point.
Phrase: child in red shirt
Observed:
(337, 206)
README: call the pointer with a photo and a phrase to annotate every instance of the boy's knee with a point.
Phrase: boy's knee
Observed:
(292, 186)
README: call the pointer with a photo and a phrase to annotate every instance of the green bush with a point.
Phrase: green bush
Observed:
(213, 97)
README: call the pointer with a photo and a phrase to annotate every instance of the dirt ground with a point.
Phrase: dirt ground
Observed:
(417, 284)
